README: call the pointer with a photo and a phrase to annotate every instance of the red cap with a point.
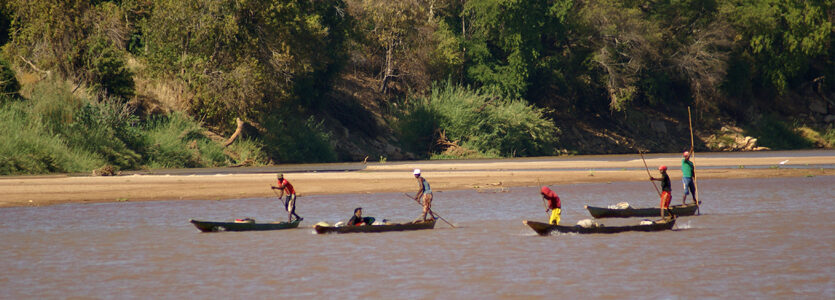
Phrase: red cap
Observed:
(662, 168)
(544, 190)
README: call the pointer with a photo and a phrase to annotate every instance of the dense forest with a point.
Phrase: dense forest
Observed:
(131, 84)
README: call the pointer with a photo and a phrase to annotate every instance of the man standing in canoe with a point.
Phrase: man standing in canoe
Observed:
(425, 193)
(666, 189)
(290, 199)
(687, 175)
(552, 204)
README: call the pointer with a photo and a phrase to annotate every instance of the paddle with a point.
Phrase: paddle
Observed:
(434, 214)
(693, 160)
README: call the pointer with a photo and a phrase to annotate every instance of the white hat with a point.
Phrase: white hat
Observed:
(417, 171)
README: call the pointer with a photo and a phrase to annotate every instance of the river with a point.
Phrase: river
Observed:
(763, 238)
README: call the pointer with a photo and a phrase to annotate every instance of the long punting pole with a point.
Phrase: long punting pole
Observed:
(693, 160)
(431, 211)
(650, 175)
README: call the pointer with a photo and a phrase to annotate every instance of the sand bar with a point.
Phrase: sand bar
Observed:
(394, 177)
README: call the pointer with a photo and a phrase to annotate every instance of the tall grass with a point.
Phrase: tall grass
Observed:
(29, 147)
(57, 131)
(175, 141)
(477, 120)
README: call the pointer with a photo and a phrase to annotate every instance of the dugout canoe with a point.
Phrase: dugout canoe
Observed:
(321, 229)
(603, 212)
(546, 229)
(208, 226)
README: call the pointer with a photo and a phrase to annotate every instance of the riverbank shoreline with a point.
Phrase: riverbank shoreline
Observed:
(393, 177)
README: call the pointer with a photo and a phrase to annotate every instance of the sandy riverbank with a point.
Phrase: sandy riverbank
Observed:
(394, 177)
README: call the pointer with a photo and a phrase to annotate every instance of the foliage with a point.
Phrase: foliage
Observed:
(56, 131)
(479, 120)
(291, 138)
(240, 58)
(506, 40)
(775, 134)
(107, 70)
(175, 141)
(784, 37)
(9, 86)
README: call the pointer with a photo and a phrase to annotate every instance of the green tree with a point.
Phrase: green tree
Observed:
(783, 37)
(505, 40)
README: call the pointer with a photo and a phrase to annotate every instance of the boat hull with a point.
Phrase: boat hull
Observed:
(208, 226)
(375, 228)
(546, 229)
(602, 212)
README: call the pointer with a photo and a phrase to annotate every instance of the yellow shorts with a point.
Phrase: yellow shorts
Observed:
(555, 216)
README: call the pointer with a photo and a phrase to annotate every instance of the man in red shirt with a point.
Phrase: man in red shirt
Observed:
(552, 204)
(290, 199)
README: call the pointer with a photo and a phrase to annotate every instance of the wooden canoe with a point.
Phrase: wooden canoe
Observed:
(320, 229)
(602, 212)
(207, 226)
(545, 228)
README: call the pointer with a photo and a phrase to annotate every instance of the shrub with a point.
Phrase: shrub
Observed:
(107, 69)
(9, 86)
(477, 120)
(290, 138)
(775, 134)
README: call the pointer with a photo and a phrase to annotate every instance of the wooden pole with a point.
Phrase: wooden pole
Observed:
(693, 160)
(431, 211)
(650, 175)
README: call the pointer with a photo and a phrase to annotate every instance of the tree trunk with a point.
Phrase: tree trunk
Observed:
(236, 134)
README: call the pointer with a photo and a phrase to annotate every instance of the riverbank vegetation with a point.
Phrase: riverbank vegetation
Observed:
(137, 84)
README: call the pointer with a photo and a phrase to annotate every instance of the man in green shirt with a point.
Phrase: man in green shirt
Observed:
(687, 175)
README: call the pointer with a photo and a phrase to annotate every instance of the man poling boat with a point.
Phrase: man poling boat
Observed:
(666, 188)
(552, 204)
(290, 200)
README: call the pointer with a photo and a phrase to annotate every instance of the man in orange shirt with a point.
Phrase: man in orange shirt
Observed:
(290, 199)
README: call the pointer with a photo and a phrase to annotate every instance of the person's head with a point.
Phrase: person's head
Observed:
(417, 173)
(544, 190)
(358, 211)
(279, 176)
(663, 169)
(686, 154)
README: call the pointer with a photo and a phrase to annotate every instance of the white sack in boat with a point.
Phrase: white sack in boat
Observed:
(621, 205)
(587, 223)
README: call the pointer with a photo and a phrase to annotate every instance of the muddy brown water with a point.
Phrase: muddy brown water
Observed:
(763, 238)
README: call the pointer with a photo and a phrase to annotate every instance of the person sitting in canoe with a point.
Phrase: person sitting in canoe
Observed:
(290, 199)
(358, 220)
(666, 189)
(552, 204)
(425, 193)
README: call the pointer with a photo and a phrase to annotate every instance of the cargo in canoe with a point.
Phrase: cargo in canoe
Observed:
(375, 228)
(207, 226)
(545, 228)
(603, 212)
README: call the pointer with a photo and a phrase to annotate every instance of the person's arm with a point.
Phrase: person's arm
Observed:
(545, 202)
(653, 178)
